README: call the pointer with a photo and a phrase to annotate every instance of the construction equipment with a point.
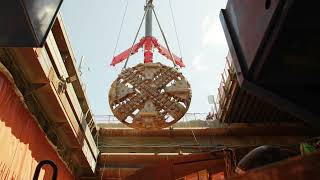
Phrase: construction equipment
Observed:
(149, 95)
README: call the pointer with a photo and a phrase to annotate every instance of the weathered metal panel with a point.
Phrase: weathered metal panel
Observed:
(233, 130)
(182, 166)
(274, 45)
(203, 175)
(193, 176)
(249, 22)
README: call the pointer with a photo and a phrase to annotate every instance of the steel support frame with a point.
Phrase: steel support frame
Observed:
(148, 43)
(247, 77)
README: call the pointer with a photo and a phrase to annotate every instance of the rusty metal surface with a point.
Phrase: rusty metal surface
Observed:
(166, 166)
(188, 144)
(182, 166)
(298, 168)
(131, 160)
(147, 159)
(149, 96)
(239, 130)
(176, 140)
(114, 173)
(230, 161)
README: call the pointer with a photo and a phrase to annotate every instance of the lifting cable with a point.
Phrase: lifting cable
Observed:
(193, 134)
(124, 15)
(163, 35)
(175, 28)
(164, 38)
(134, 41)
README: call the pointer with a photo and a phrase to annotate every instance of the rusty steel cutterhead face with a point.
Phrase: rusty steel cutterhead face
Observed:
(149, 96)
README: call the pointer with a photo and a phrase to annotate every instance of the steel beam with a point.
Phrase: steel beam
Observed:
(189, 144)
(243, 129)
(199, 140)
(180, 167)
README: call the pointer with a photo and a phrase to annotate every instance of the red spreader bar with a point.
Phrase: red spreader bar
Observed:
(148, 43)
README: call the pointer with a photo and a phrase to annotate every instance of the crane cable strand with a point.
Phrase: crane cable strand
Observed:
(175, 28)
(134, 41)
(124, 15)
(164, 37)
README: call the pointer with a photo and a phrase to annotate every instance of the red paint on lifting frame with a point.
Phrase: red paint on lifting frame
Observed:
(148, 43)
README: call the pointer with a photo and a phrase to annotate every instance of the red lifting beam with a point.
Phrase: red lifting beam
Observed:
(148, 43)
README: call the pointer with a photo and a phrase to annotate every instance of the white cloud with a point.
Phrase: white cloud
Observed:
(213, 34)
(212, 37)
(198, 63)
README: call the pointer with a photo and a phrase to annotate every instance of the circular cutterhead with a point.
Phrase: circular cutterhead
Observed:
(150, 96)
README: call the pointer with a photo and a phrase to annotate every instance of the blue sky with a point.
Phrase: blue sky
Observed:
(93, 27)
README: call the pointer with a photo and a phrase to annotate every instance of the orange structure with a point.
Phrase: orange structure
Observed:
(23, 143)
(44, 115)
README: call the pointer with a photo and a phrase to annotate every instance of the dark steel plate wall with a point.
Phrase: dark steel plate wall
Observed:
(250, 20)
(274, 46)
(26, 23)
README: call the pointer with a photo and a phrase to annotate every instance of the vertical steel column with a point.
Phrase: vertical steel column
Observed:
(148, 45)
(148, 23)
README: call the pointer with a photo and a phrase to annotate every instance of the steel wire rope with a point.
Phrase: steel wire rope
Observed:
(193, 134)
(120, 30)
(134, 41)
(175, 28)
(121, 25)
(164, 37)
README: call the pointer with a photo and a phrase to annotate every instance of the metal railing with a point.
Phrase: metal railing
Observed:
(224, 89)
(189, 120)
